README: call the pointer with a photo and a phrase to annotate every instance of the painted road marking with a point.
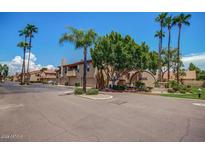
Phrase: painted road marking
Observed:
(10, 106)
(199, 104)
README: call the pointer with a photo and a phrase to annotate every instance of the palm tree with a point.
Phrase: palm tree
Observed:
(81, 39)
(23, 45)
(180, 20)
(160, 35)
(1, 69)
(30, 30)
(5, 69)
(161, 20)
(169, 23)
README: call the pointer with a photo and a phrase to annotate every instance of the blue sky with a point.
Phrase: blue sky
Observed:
(140, 26)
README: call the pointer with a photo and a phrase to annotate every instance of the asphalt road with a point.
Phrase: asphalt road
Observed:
(41, 113)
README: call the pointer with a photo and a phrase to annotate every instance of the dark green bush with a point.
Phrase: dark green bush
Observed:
(176, 88)
(92, 91)
(182, 91)
(170, 90)
(139, 85)
(119, 87)
(78, 91)
(77, 84)
(188, 86)
(166, 85)
(173, 83)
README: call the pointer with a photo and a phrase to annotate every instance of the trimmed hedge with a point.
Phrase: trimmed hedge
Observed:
(77, 84)
(78, 91)
(119, 87)
(92, 91)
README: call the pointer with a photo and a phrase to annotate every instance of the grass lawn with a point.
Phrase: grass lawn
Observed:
(193, 95)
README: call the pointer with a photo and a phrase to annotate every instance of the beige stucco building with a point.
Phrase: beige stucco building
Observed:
(42, 76)
(189, 75)
(71, 74)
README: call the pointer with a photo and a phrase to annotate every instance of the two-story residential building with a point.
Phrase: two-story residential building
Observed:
(43, 76)
(71, 74)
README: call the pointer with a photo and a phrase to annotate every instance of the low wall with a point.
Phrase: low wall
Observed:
(194, 83)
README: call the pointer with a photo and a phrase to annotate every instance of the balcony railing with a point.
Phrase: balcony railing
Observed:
(71, 73)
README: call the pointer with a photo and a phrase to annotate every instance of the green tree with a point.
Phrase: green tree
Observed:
(193, 67)
(1, 69)
(5, 70)
(23, 45)
(153, 62)
(160, 35)
(169, 24)
(81, 39)
(168, 60)
(161, 20)
(201, 75)
(30, 30)
(180, 20)
(116, 55)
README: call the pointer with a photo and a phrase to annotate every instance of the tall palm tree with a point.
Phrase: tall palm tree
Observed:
(81, 39)
(5, 69)
(23, 45)
(180, 20)
(169, 23)
(1, 69)
(30, 30)
(160, 35)
(161, 20)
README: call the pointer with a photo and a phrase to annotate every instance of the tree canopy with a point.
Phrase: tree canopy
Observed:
(117, 55)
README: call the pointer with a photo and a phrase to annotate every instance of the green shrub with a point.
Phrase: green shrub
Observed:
(173, 83)
(166, 85)
(170, 90)
(139, 85)
(92, 91)
(182, 91)
(189, 90)
(119, 87)
(77, 84)
(188, 86)
(78, 91)
(176, 88)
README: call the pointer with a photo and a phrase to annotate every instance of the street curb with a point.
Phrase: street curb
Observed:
(88, 97)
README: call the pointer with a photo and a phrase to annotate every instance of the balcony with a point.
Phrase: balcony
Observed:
(71, 73)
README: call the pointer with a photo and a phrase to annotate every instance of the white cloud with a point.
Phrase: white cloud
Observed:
(15, 65)
(197, 59)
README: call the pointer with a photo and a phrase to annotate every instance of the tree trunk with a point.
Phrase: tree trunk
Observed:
(85, 69)
(28, 75)
(178, 53)
(159, 61)
(23, 67)
(169, 40)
